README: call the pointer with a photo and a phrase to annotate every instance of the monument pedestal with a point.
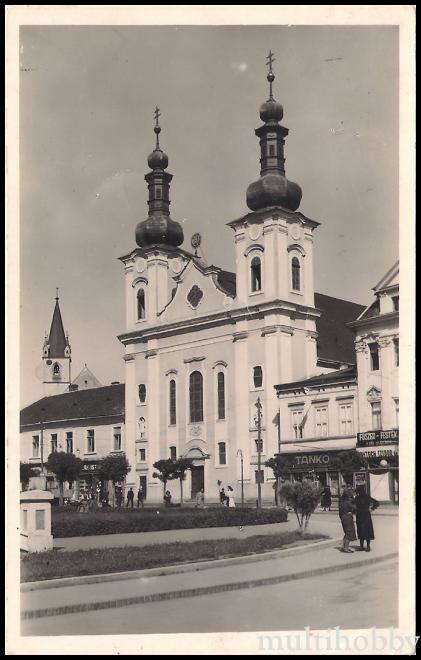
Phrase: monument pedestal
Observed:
(35, 521)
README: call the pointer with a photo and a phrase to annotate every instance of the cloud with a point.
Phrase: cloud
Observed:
(239, 66)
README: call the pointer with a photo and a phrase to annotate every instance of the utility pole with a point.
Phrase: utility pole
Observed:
(42, 441)
(259, 444)
(239, 451)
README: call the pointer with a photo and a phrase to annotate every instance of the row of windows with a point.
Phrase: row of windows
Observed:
(256, 274)
(375, 355)
(53, 444)
(321, 422)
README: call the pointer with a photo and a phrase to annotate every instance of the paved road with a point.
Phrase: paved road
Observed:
(354, 598)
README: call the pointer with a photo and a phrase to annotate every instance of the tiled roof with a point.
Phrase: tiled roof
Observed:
(336, 341)
(321, 379)
(82, 404)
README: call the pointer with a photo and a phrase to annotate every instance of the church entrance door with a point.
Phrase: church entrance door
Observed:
(197, 479)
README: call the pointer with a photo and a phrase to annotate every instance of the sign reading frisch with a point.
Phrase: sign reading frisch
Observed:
(373, 438)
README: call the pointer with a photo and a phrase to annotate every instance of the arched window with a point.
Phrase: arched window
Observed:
(56, 369)
(173, 404)
(257, 377)
(256, 274)
(221, 394)
(222, 453)
(141, 305)
(196, 396)
(295, 270)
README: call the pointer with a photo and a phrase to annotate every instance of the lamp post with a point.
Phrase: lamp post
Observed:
(42, 441)
(239, 451)
(259, 446)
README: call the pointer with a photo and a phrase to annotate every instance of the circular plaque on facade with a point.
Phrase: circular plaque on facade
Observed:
(141, 264)
(295, 232)
(176, 265)
(254, 232)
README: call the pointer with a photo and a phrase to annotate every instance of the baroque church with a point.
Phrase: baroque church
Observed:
(210, 355)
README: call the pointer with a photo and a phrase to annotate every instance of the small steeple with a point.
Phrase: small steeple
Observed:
(273, 188)
(58, 343)
(159, 228)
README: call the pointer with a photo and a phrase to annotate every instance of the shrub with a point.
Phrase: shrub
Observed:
(68, 523)
(303, 497)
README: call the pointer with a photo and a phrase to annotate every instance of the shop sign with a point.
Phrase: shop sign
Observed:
(311, 460)
(89, 467)
(379, 452)
(376, 438)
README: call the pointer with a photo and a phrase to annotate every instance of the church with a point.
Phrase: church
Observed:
(219, 365)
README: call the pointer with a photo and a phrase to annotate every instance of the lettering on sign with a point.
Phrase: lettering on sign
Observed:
(90, 467)
(312, 459)
(372, 438)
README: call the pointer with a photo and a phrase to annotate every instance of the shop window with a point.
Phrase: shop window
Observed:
(258, 377)
(117, 438)
(69, 442)
(256, 274)
(222, 453)
(35, 446)
(295, 274)
(346, 419)
(196, 396)
(141, 305)
(322, 430)
(173, 453)
(173, 402)
(221, 394)
(90, 435)
(54, 442)
(297, 423)
(376, 415)
(374, 357)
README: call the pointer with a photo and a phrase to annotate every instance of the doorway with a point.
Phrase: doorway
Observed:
(197, 479)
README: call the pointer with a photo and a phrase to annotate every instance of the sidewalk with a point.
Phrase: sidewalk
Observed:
(144, 588)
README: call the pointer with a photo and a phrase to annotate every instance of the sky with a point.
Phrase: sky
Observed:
(87, 98)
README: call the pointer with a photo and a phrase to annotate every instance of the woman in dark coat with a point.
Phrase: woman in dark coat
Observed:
(326, 501)
(346, 511)
(364, 504)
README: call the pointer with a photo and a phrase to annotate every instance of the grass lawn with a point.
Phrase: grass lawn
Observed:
(57, 564)
(67, 523)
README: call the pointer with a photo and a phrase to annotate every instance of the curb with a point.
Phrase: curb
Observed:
(197, 591)
(173, 569)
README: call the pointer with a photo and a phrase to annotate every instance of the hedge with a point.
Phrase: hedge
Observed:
(70, 523)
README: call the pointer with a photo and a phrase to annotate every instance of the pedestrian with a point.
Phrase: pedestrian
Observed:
(200, 499)
(167, 498)
(346, 514)
(326, 501)
(222, 496)
(130, 498)
(363, 505)
(231, 500)
(140, 497)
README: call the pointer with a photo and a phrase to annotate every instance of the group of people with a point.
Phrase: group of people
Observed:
(130, 498)
(227, 499)
(361, 504)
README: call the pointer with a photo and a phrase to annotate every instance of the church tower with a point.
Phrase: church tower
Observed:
(56, 356)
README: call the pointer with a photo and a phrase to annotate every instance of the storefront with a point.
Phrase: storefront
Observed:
(316, 465)
(381, 452)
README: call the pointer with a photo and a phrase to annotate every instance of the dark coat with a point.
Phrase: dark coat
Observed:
(326, 501)
(346, 510)
(363, 503)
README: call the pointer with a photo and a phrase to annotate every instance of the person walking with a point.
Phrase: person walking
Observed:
(200, 499)
(363, 505)
(231, 500)
(130, 498)
(222, 497)
(346, 514)
(326, 500)
(140, 497)
(167, 498)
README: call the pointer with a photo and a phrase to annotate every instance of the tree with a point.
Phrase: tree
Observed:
(181, 466)
(65, 467)
(26, 472)
(281, 466)
(303, 497)
(347, 462)
(113, 468)
(165, 471)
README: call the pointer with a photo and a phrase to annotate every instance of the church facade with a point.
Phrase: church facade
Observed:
(205, 348)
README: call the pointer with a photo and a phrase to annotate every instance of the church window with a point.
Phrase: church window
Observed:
(295, 271)
(141, 305)
(142, 454)
(35, 446)
(90, 436)
(257, 377)
(173, 453)
(173, 402)
(142, 393)
(142, 427)
(221, 395)
(374, 357)
(56, 369)
(196, 397)
(222, 453)
(256, 274)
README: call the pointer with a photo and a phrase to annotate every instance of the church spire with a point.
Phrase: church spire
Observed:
(273, 188)
(159, 228)
(57, 341)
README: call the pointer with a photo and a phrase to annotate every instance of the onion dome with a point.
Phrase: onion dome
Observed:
(158, 228)
(273, 188)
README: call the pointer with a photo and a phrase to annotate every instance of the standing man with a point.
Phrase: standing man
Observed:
(140, 497)
(130, 498)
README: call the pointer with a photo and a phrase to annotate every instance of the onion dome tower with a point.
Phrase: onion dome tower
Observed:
(273, 188)
(158, 228)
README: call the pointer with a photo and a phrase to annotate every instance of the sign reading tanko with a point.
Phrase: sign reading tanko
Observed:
(373, 438)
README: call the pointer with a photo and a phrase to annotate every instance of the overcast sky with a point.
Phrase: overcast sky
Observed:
(86, 121)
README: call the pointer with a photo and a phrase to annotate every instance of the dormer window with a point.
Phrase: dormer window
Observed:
(256, 274)
(141, 305)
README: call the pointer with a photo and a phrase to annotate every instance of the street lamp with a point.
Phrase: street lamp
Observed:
(259, 447)
(239, 451)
